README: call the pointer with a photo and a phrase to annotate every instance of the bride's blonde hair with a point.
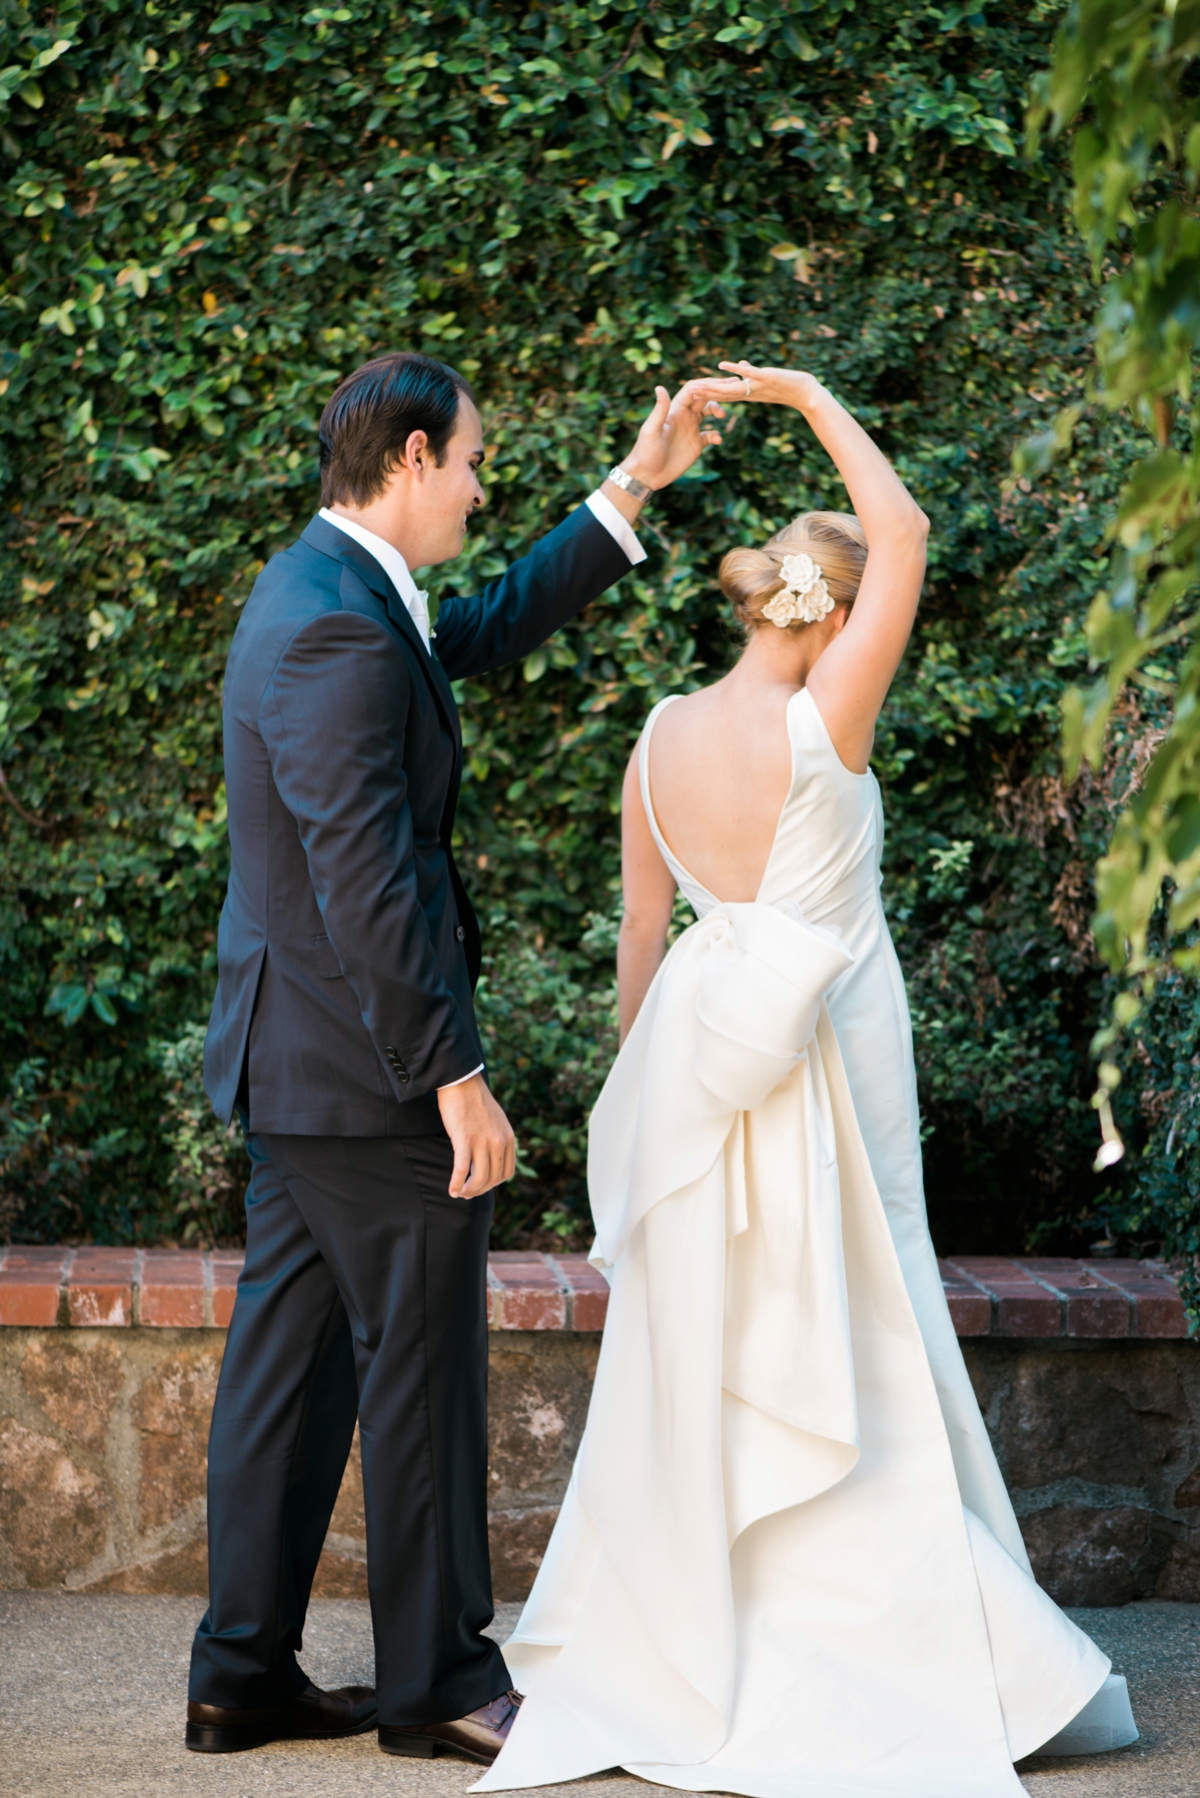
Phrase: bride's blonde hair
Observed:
(750, 578)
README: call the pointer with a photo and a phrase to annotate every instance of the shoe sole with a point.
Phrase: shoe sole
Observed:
(232, 1738)
(424, 1748)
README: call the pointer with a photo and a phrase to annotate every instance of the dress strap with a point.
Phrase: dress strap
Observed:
(644, 780)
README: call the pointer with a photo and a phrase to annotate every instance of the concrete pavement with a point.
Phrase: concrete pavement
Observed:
(91, 1702)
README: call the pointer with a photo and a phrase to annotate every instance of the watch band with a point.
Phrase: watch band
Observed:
(635, 488)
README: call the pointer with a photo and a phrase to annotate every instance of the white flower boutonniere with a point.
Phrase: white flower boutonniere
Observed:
(805, 597)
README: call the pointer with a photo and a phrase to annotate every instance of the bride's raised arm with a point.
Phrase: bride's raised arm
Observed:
(850, 681)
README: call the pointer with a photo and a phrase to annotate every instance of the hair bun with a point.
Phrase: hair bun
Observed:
(750, 578)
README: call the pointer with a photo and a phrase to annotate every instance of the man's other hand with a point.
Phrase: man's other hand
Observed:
(485, 1149)
(674, 434)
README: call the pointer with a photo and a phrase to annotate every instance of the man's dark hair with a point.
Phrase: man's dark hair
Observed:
(370, 418)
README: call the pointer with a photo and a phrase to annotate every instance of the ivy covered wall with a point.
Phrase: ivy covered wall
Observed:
(213, 213)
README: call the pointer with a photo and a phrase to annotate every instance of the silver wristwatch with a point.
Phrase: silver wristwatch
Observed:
(636, 489)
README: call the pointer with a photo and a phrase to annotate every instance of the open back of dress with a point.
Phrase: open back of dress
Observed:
(786, 1563)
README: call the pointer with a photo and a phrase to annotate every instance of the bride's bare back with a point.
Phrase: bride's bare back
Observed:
(720, 771)
(720, 761)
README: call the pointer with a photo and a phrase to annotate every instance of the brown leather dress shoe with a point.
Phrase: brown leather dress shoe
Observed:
(479, 1737)
(317, 1715)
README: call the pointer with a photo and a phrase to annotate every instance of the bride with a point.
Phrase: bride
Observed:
(786, 1562)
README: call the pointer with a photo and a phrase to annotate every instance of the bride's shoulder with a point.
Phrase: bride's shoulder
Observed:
(679, 712)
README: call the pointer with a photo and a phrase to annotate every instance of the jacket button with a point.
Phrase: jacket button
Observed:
(461, 934)
(402, 1078)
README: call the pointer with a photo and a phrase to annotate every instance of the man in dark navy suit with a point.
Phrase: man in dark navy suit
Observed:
(344, 1034)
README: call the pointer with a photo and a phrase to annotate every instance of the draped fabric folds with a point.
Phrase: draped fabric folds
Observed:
(786, 1564)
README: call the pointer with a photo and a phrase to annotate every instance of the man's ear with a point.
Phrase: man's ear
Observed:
(416, 457)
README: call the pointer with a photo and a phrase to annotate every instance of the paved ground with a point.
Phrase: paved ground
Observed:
(90, 1704)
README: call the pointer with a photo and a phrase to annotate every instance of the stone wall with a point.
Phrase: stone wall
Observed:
(102, 1453)
(109, 1362)
(1100, 1446)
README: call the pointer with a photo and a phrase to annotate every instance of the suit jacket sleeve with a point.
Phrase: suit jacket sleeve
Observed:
(562, 574)
(333, 718)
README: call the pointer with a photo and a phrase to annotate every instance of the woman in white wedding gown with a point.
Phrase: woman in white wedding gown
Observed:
(786, 1563)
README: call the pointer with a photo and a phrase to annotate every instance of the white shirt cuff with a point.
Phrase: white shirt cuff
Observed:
(605, 513)
(463, 1080)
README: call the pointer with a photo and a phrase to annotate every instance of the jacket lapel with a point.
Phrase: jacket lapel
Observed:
(326, 538)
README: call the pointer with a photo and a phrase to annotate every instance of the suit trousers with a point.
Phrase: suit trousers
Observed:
(364, 1293)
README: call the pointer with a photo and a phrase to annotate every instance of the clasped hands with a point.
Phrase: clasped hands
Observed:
(679, 428)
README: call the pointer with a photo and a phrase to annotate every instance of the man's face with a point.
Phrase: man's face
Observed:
(452, 492)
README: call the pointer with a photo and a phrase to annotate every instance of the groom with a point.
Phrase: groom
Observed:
(343, 1033)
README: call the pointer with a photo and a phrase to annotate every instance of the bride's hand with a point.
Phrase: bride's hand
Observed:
(769, 386)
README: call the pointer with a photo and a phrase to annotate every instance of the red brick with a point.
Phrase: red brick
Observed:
(100, 1286)
(1093, 1307)
(1160, 1314)
(970, 1312)
(226, 1265)
(531, 1295)
(30, 1285)
(172, 1295)
(1150, 1285)
(970, 1307)
(1023, 1307)
(1096, 1314)
(983, 1268)
(588, 1289)
(1022, 1313)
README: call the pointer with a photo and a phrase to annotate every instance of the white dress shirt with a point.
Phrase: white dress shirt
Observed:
(416, 599)
(394, 566)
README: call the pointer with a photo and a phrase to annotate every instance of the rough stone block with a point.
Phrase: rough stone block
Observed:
(531, 1295)
(182, 1571)
(342, 1569)
(30, 1286)
(1110, 1416)
(339, 1575)
(1179, 1576)
(1187, 1497)
(53, 1513)
(349, 1514)
(172, 1410)
(987, 1379)
(100, 1287)
(518, 1541)
(76, 1383)
(538, 1395)
(1087, 1556)
(172, 1295)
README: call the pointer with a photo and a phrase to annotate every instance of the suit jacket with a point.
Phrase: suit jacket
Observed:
(348, 950)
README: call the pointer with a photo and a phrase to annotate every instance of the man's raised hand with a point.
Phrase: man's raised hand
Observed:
(672, 437)
(485, 1149)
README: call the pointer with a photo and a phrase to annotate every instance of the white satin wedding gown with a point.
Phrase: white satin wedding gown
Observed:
(786, 1563)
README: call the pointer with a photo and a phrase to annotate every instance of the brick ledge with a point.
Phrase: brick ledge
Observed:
(988, 1295)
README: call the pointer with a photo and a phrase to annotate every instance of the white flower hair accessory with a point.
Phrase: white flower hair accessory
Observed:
(805, 597)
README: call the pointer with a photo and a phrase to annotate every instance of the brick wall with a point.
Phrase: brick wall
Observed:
(109, 1360)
